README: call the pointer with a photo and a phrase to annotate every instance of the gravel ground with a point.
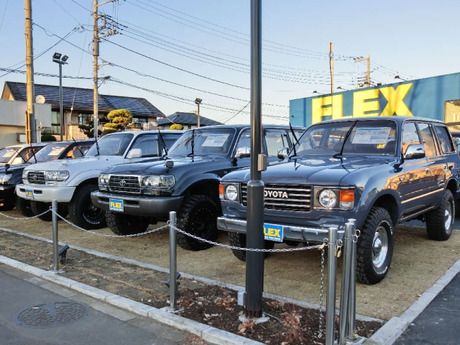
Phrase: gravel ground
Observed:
(417, 264)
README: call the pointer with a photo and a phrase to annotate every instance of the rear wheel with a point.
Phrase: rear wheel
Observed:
(440, 222)
(375, 247)
(123, 224)
(239, 240)
(82, 212)
(198, 216)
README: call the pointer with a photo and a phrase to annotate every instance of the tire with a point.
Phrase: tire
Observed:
(38, 207)
(197, 216)
(23, 207)
(375, 247)
(123, 224)
(239, 240)
(440, 221)
(82, 212)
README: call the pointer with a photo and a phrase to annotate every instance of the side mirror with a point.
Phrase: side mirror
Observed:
(134, 153)
(414, 151)
(283, 153)
(242, 152)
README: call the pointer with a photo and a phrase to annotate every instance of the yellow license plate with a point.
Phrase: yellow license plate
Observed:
(116, 205)
(273, 232)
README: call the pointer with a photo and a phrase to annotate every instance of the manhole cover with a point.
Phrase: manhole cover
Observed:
(52, 314)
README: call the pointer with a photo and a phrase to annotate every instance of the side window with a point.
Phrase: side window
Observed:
(444, 139)
(147, 144)
(275, 141)
(409, 136)
(170, 140)
(427, 139)
(244, 143)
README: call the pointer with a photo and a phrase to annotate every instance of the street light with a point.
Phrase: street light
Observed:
(198, 102)
(61, 60)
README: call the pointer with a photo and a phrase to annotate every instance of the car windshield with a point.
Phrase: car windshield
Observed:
(49, 152)
(201, 142)
(362, 138)
(7, 153)
(111, 145)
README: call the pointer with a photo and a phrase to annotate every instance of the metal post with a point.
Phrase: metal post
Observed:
(172, 261)
(54, 206)
(31, 134)
(255, 213)
(331, 285)
(95, 68)
(345, 293)
(352, 301)
(61, 103)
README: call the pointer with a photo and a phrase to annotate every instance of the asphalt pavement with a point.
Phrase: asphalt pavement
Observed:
(439, 323)
(35, 312)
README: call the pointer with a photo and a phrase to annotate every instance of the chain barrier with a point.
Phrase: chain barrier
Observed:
(321, 294)
(108, 235)
(25, 218)
(280, 250)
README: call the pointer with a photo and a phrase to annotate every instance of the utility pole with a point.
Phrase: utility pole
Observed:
(367, 75)
(331, 65)
(95, 69)
(198, 102)
(31, 135)
(255, 214)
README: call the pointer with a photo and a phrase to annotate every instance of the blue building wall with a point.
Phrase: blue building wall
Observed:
(422, 97)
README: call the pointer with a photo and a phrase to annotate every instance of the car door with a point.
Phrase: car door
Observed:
(448, 157)
(412, 182)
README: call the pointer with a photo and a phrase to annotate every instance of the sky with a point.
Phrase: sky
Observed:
(173, 51)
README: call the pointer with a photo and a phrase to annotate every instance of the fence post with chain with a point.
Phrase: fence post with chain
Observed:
(172, 260)
(331, 282)
(54, 218)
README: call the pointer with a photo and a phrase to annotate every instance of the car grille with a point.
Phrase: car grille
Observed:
(283, 197)
(36, 177)
(124, 184)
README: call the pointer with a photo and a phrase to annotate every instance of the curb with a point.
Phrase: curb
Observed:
(392, 330)
(207, 333)
(185, 275)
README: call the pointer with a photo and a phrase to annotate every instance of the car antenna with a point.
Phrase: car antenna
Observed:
(295, 138)
(78, 147)
(160, 135)
(97, 146)
(193, 145)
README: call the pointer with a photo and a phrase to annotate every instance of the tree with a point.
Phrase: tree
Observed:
(119, 119)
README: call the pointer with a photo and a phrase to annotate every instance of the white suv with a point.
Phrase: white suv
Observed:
(70, 182)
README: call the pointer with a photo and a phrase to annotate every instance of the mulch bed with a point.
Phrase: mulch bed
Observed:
(212, 305)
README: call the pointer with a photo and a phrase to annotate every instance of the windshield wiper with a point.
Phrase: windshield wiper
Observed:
(78, 147)
(192, 154)
(296, 140)
(340, 154)
(162, 142)
(97, 146)
(33, 153)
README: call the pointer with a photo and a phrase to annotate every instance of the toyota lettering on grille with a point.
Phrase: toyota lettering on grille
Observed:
(278, 194)
(122, 183)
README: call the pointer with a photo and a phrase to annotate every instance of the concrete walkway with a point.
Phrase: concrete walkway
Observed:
(35, 312)
(439, 323)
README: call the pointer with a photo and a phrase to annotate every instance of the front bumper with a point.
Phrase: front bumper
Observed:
(291, 232)
(45, 193)
(158, 207)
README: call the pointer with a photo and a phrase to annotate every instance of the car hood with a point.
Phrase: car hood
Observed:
(12, 168)
(316, 170)
(78, 164)
(159, 167)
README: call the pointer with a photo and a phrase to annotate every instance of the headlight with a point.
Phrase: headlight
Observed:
(231, 192)
(154, 182)
(56, 175)
(4, 178)
(103, 181)
(335, 198)
(327, 198)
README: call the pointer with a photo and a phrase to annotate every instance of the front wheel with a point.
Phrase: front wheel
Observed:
(197, 216)
(440, 221)
(123, 224)
(82, 212)
(239, 240)
(375, 247)
(23, 207)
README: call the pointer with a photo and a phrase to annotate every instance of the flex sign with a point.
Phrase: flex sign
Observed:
(383, 101)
